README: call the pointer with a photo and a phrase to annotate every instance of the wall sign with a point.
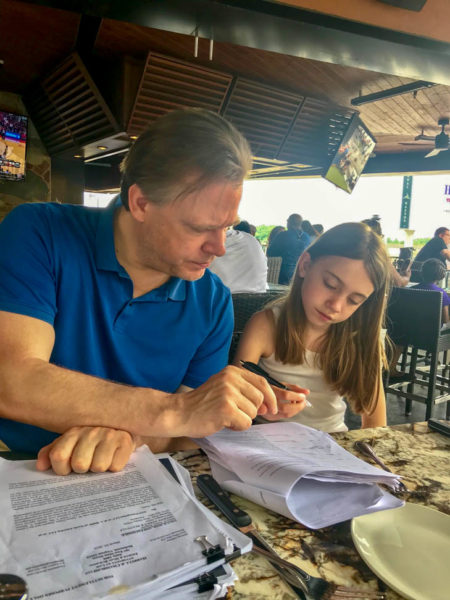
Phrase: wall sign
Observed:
(406, 202)
(447, 198)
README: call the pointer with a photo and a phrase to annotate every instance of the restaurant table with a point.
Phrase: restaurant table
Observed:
(411, 450)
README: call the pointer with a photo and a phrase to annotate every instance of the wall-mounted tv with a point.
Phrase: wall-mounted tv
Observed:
(13, 145)
(351, 157)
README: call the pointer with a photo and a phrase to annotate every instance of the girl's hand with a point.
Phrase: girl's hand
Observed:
(290, 402)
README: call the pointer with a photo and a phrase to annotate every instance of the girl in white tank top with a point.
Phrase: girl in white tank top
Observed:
(323, 339)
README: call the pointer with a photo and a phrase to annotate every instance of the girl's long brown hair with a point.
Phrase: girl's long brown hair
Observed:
(351, 353)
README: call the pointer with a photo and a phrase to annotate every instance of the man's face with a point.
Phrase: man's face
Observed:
(446, 237)
(182, 238)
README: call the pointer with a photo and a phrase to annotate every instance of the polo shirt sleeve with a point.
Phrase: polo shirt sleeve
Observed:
(212, 355)
(27, 280)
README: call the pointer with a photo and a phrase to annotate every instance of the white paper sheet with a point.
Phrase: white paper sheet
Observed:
(81, 536)
(298, 472)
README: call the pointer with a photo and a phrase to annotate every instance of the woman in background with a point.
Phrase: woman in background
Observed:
(309, 229)
(273, 234)
(399, 279)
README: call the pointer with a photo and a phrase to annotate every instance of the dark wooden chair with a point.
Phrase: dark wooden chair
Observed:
(244, 306)
(414, 322)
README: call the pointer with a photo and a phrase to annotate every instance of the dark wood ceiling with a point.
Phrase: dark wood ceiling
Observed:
(34, 39)
(392, 121)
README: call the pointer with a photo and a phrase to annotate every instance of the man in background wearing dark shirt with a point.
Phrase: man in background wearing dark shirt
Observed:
(289, 245)
(435, 248)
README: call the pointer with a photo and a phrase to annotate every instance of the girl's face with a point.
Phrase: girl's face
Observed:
(333, 289)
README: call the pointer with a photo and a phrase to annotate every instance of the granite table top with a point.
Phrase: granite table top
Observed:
(411, 450)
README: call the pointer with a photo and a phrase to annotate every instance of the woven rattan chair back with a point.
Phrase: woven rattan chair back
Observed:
(244, 306)
(273, 268)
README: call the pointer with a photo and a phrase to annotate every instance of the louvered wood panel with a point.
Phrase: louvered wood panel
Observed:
(263, 114)
(168, 84)
(316, 133)
(67, 108)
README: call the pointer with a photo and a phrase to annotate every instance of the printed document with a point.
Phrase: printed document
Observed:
(299, 472)
(91, 535)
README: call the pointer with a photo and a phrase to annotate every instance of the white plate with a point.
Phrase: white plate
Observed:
(408, 548)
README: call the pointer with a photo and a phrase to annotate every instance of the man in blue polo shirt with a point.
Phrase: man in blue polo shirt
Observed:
(112, 329)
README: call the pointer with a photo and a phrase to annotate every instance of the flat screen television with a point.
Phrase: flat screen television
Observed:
(352, 155)
(13, 145)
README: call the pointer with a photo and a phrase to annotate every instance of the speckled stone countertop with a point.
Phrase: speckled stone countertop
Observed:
(422, 457)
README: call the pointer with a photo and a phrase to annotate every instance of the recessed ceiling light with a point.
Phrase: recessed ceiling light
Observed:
(133, 137)
(102, 147)
(77, 156)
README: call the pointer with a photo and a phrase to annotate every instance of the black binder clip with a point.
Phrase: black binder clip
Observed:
(206, 582)
(212, 553)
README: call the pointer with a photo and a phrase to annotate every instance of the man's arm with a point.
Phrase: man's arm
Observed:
(36, 392)
(445, 253)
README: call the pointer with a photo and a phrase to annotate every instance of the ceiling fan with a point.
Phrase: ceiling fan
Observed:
(441, 140)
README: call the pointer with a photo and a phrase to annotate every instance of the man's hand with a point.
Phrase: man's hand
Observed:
(82, 449)
(290, 402)
(231, 398)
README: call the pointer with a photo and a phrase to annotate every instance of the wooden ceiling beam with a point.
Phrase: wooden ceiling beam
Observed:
(283, 29)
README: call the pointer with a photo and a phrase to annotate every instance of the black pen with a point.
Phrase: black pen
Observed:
(260, 371)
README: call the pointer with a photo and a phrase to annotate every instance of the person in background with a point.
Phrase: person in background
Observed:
(242, 226)
(437, 248)
(273, 234)
(374, 224)
(433, 272)
(398, 279)
(319, 228)
(309, 230)
(243, 267)
(289, 245)
(113, 332)
(325, 334)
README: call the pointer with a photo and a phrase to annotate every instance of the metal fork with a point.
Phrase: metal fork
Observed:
(316, 588)
(366, 449)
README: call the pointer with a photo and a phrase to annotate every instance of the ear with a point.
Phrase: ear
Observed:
(138, 203)
(304, 264)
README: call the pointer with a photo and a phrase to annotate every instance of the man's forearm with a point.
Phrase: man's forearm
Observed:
(36, 392)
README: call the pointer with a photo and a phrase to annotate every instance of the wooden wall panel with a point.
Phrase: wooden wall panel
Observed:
(67, 108)
(264, 114)
(168, 84)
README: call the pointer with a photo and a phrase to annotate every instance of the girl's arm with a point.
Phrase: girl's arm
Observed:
(378, 417)
(258, 340)
(444, 315)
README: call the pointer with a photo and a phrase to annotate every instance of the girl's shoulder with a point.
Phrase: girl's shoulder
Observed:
(264, 318)
(261, 330)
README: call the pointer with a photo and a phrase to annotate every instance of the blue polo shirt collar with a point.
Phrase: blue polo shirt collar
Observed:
(105, 254)
(106, 260)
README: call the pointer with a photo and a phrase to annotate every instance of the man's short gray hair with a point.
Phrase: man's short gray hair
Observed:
(184, 151)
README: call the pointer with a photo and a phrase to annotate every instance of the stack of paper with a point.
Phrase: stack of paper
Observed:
(133, 534)
(298, 472)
